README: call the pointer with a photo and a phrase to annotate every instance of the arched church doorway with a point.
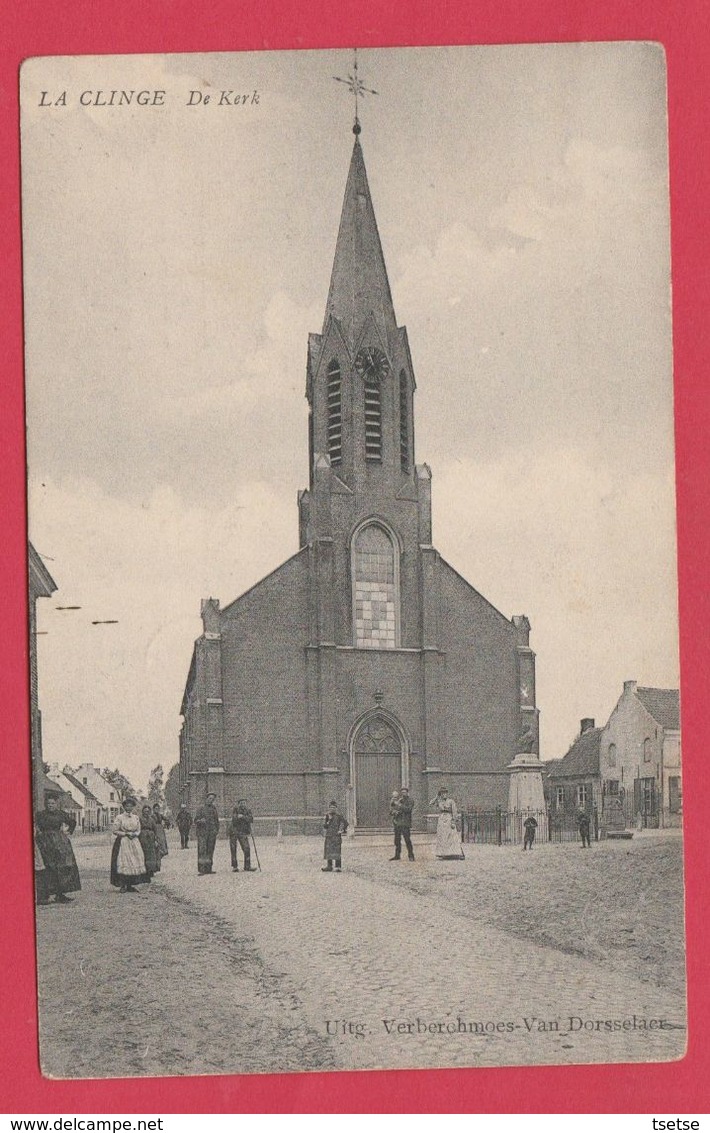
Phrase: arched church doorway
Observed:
(378, 753)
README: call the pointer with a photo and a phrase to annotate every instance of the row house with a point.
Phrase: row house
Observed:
(40, 585)
(92, 818)
(72, 798)
(108, 797)
(627, 772)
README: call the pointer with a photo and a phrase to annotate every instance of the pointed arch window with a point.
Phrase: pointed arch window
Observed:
(335, 414)
(375, 588)
(403, 421)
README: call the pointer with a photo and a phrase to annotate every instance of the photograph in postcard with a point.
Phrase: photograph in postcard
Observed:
(353, 632)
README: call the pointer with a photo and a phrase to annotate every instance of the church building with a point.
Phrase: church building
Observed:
(365, 662)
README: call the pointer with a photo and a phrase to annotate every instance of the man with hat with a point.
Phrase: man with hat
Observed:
(207, 825)
(402, 819)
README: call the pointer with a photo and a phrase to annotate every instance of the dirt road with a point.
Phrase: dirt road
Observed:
(557, 956)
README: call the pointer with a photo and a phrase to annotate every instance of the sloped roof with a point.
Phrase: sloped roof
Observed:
(551, 766)
(582, 758)
(663, 704)
(81, 787)
(42, 585)
(48, 786)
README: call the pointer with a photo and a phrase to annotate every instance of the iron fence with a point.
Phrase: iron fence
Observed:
(500, 827)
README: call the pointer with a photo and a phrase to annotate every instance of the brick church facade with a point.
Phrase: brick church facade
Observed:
(365, 662)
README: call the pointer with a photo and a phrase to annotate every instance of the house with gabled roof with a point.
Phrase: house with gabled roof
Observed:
(72, 799)
(93, 811)
(640, 761)
(627, 773)
(573, 783)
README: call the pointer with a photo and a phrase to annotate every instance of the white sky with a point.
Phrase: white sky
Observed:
(175, 260)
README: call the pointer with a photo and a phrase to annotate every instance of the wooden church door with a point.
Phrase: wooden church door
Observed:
(377, 752)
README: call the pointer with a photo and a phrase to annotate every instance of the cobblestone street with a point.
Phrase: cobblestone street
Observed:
(389, 964)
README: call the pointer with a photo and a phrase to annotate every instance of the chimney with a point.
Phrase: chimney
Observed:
(586, 724)
(629, 686)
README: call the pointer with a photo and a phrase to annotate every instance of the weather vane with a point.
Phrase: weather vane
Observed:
(357, 88)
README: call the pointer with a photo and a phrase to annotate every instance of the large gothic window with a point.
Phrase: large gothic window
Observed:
(335, 414)
(375, 580)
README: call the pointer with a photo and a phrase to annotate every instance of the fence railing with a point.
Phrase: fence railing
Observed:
(500, 827)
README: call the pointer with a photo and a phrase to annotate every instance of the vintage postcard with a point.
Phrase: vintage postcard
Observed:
(353, 630)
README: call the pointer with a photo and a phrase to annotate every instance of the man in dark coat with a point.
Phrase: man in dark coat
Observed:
(530, 826)
(402, 819)
(207, 825)
(583, 824)
(334, 826)
(239, 831)
(183, 822)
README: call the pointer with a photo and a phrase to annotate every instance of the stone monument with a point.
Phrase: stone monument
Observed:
(525, 792)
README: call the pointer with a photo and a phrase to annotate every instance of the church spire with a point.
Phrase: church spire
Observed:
(359, 287)
(360, 382)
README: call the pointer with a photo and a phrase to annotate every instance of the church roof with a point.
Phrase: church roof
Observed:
(359, 288)
(663, 704)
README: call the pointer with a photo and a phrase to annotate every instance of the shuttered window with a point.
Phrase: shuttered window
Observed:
(335, 414)
(373, 421)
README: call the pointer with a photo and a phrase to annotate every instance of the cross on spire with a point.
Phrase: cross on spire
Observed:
(357, 88)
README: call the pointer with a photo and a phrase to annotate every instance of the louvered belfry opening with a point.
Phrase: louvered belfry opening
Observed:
(403, 422)
(335, 414)
(373, 420)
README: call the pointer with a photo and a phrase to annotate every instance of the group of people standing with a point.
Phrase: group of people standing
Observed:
(448, 838)
(140, 845)
(206, 822)
(140, 841)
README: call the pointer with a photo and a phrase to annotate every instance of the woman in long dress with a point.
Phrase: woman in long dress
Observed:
(149, 842)
(41, 880)
(127, 860)
(448, 839)
(61, 872)
(161, 840)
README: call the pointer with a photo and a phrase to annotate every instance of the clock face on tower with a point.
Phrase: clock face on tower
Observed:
(371, 363)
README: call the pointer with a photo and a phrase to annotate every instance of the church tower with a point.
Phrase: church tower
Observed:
(367, 500)
(364, 662)
(360, 381)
